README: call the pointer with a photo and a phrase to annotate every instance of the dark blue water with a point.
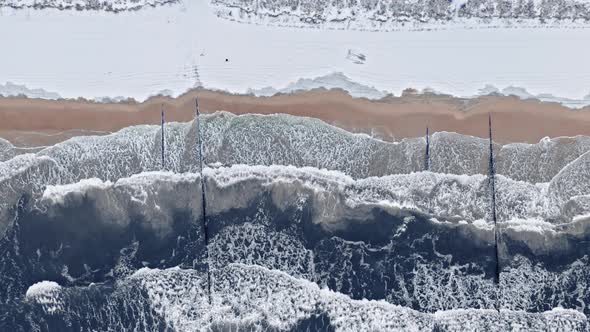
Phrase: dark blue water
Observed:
(367, 259)
(96, 253)
(377, 257)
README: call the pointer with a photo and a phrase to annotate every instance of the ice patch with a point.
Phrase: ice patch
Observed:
(11, 90)
(523, 94)
(331, 81)
(339, 80)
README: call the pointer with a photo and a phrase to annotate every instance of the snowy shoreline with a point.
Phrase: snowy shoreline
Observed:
(179, 52)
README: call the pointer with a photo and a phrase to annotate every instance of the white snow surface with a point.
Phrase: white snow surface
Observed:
(10, 89)
(107, 5)
(180, 46)
(391, 15)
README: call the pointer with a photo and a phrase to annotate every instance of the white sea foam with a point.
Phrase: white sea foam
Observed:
(239, 300)
(46, 294)
(461, 199)
(367, 171)
(42, 288)
(230, 138)
(153, 196)
(56, 194)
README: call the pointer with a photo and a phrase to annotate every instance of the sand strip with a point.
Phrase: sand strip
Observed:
(515, 120)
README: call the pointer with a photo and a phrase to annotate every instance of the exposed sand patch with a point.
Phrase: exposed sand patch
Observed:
(515, 120)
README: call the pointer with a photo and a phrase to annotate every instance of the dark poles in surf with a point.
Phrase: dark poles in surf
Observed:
(162, 148)
(492, 184)
(203, 200)
(427, 155)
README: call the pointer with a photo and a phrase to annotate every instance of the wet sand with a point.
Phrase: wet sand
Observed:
(31, 122)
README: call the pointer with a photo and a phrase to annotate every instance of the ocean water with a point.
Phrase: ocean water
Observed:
(299, 237)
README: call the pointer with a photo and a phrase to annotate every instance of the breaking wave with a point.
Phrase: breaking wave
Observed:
(336, 226)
